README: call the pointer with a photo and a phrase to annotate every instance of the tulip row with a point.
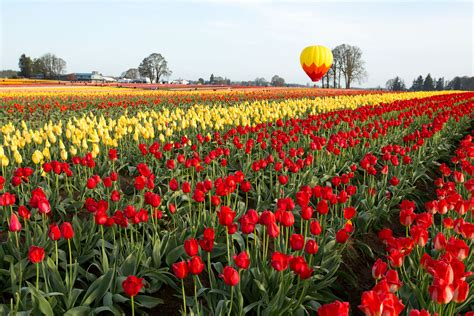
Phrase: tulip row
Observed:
(79, 135)
(249, 219)
(28, 103)
(431, 266)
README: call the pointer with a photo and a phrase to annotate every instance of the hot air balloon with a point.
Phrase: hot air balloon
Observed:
(316, 61)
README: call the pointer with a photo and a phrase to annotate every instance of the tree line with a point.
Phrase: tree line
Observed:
(347, 65)
(49, 66)
(431, 84)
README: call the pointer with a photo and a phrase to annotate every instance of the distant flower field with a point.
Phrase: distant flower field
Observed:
(245, 201)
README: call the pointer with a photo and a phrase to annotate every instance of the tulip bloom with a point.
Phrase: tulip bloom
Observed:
(378, 269)
(36, 255)
(297, 242)
(311, 247)
(180, 269)
(230, 276)
(131, 286)
(195, 265)
(242, 260)
(226, 216)
(15, 225)
(67, 231)
(280, 261)
(191, 247)
(335, 308)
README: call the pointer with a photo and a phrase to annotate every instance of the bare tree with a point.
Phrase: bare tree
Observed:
(154, 67)
(50, 65)
(261, 82)
(277, 81)
(131, 73)
(351, 64)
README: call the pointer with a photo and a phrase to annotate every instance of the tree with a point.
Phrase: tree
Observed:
(334, 73)
(277, 81)
(440, 84)
(26, 66)
(49, 65)
(261, 82)
(417, 84)
(351, 64)
(456, 83)
(211, 79)
(428, 84)
(396, 84)
(131, 73)
(154, 67)
(200, 81)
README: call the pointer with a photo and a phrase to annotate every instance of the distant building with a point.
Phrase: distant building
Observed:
(87, 77)
(179, 81)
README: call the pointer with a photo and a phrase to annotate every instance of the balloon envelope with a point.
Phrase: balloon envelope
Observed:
(316, 61)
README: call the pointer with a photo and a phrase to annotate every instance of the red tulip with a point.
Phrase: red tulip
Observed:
(115, 196)
(322, 207)
(407, 216)
(195, 265)
(113, 154)
(15, 225)
(132, 285)
(186, 187)
(230, 276)
(287, 219)
(392, 280)
(342, 236)
(180, 269)
(315, 228)
(226, 216)
(349, 212)
(23, 212)
(242, 260)
(395, 258)
(439, 242)
(461, 290)
(311, 247)
(36, 254)
(297, 242)
(441, 292)
(191, 247)
(66, 230)
(335, 308)
(378, 269)
(394, 181)
(54, 232)
(458, 177)
(280, 261)
(423, 312)
(173, 184)
(282, 179)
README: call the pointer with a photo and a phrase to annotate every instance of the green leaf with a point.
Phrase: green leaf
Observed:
(41, 302)
(157, 253)
(148, 301)
(78, 311)
(98, 288)
(129, 266)
(174, 254)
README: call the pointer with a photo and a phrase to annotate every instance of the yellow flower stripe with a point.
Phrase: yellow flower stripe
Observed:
(77, 135)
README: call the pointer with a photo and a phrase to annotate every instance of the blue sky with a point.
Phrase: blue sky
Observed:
(241, 39)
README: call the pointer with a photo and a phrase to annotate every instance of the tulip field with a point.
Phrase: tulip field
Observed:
(258, 201)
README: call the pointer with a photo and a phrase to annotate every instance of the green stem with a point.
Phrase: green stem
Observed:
(133, 306)
(37, 276)
(184, 296)
(231, 300)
